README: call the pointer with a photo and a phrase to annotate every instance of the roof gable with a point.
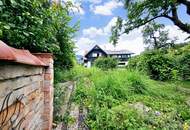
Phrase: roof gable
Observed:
(94, 48)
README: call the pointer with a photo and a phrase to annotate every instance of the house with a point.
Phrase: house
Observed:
(97, 51)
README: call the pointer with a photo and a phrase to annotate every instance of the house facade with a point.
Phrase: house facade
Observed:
(121, 55)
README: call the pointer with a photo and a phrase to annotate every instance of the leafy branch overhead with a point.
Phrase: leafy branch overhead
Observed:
(156, 37)
(141, 12)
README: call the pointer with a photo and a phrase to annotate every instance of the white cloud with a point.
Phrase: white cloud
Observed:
(93, 32)
(132, 42)
(107, 28)
(107, 8)
(135, 45)
(83, 44)
(174, 31)
(94, 1)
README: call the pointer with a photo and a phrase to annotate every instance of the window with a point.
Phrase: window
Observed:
(123, 56)
(115, 56)
(94, 54)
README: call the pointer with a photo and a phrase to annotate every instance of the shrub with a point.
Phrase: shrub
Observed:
(106, 63)
(155, 63)
(184, 66)
(138, 63)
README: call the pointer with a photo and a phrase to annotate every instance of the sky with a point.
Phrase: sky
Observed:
(98, 16)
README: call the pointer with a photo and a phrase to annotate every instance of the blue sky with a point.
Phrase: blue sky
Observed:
(96, 18)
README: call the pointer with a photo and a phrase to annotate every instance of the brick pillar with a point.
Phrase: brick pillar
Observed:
(47, 88)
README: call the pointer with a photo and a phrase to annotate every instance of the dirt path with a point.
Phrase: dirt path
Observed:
(75, 114)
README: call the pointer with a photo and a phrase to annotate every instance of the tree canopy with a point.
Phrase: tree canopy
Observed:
(156, 37)
(38, 26)
(141, 12)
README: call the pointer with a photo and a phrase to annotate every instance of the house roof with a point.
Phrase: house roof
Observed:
(111, 52)
(95, 47)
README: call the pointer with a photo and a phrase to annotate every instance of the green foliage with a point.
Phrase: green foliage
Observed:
(106, 63)
(110, 96)
(138, 63)
(140, 13)
(156, 37)
(184, 66)
(157, 65)
(39, 27)
(171, 64)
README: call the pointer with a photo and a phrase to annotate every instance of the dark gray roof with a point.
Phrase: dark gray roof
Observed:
(110, 52)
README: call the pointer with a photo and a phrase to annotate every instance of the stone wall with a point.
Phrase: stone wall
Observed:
(26, 94)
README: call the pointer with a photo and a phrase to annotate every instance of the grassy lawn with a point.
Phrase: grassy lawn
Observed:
(122, 99)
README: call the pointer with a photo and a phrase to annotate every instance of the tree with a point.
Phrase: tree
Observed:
(141, 12)
(156, 37)
(38, 26)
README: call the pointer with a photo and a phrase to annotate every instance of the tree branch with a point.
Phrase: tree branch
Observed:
(175, 19)
(186, 3)
(145, 22)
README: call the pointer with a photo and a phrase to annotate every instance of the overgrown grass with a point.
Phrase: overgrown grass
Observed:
(110, 95)
(185, 84)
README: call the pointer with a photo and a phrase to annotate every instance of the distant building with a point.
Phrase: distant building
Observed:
(96, 52)
(80, 59)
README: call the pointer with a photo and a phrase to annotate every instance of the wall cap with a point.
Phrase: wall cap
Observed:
(11, 54)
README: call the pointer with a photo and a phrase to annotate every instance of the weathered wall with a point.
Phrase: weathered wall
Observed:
(26, 95)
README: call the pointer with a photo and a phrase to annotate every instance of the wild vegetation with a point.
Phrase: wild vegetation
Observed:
(125, 99)
(136, 97)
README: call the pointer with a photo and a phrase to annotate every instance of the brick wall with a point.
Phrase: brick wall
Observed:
(26, 94)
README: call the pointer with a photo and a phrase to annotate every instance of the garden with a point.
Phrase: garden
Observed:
(151, 93)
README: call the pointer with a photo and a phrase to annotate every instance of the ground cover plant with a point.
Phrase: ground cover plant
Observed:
(123, 99)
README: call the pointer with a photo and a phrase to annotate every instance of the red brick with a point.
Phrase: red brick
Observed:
(48, 77)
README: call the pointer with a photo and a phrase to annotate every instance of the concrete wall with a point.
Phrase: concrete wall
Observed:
(26, 95)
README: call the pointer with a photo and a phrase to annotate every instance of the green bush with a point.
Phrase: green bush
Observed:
(138, 63)
(106, 63)
(184, 66)
(155, 63)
